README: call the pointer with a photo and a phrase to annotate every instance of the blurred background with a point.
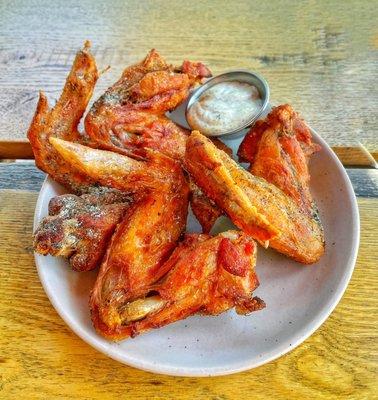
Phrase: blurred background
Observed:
(320, 56)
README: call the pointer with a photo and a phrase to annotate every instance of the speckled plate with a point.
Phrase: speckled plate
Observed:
(299, 298)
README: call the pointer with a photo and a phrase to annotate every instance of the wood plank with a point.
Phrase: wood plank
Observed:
(349, 156)
(314, 54)
(16, 149)
(356, 156)
(25, 176)
(41, 358)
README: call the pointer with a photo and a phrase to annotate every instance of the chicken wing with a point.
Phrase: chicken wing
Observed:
(279, 149)
(79, 228)
(256, 206)
(62, 121)
(136, 255)
(120, 172)
(111, 167)
(207, 275)
(131, 113)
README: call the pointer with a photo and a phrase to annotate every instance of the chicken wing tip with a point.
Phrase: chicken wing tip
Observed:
(87, 45)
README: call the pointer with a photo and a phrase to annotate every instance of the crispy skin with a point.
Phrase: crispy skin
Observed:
(131, 113)
(210, 277)
(162, 135)
(253, 204)
(279, 149)
(207, 275)
(205, 164)
(121, 172)
(62, 121)
(204, 209)
(79, 228)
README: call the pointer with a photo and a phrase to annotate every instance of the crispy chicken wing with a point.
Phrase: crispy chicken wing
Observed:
(279, 149)
(79, 228)
(131, 113)
(121, 172)
(257, 207)
(62, 121)
(136, 256)
(207, 275)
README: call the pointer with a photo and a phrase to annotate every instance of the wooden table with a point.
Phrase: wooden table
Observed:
(320, 57)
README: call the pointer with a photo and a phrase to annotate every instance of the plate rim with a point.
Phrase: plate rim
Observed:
(315, 323)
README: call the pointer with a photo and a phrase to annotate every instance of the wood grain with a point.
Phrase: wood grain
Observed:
(41, 358)
(364, 181)
(319, 56)
(21, 176)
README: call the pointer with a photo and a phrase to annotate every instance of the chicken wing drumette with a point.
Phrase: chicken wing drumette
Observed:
(80, 227)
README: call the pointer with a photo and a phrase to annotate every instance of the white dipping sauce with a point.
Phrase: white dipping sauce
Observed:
(224, 107)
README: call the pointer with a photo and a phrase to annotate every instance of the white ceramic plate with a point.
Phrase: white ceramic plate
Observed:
(299, 298)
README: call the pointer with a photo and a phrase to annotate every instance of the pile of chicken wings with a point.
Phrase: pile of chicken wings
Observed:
(130, 177)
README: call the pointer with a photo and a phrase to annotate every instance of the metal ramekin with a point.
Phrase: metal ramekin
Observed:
(241, 76)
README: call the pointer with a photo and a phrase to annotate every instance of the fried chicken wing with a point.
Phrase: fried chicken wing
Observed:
(131, 113)
(256, 206)
(62, 121)
(121, 172)
(279, 149)
(79, 228)
(207, 275)
(110, 168)
(136, 256)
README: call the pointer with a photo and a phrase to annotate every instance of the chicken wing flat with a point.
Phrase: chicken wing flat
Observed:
(256, 206)
(279, 149)
(121, 172)
(62, 121)
(207, 275)
(79, 228)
